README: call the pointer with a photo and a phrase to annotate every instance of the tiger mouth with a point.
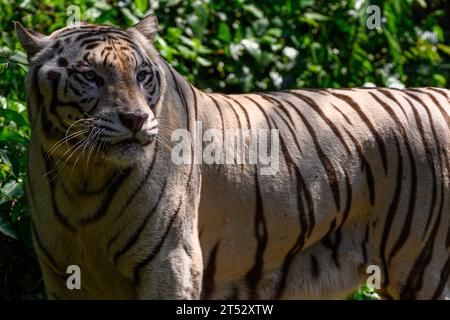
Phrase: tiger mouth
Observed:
(128, 141)
(134, 141)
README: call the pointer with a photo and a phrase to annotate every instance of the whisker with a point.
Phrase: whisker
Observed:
(163, 143)
(94, 144)
(85, 144)
(64, 141)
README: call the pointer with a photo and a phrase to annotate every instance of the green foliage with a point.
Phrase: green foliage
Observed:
(231, 46)
(365, 293)
(14, 136)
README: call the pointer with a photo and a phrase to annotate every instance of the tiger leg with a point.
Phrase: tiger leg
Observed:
(318, 272)
(173, 269)
(422, 274)
(311, 274)
(174, 275)
(420, 267)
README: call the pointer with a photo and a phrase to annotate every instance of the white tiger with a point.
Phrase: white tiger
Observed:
(363, 180)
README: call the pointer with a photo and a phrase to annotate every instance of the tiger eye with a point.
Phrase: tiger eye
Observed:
(141, 76)
(90, 75)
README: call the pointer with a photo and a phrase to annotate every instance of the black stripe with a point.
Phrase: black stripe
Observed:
(142, 182)
(326, 162)
(404, 234)
(238, 119)
(441, 92)
(334, 246)
(129, 42)
(50, 259)
(389, 95)
(226, 98)
(180, 94)
(428, 154)
(92, 46)
(222, 122)
(155, 251)
(39, 96)
(277, 103)
(54, 101)
(75, 90)
(436, 102)
(50, 167)
(315, 271)
(391, 213)
(318, 91)
(342, 114)
(271, 126)
(195, 101)
(254, 275)
(447, 241)
(186, 108)
(85, 191)
(364, 245)
(270, 122)
(112, 190)
(416, 277)
(369, 124)
(79, 79)
(300, 242)
(310, 102)
(328, 242)
(209, 273)
(445, 273)
(90, 29)
(134, 238)
(105, 59)
(89, 41)
(364, 166)
(243, 109)
(233, 294)
(301, 186)
(289, 124)
(304, 225)
(182, 97)
(96, 103)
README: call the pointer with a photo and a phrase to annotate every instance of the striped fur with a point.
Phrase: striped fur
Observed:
(363, 180)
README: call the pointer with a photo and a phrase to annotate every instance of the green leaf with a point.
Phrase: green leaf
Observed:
(130, 18)
(258, 13)
(142, 5)
(444, 48)
(7, 228)
(203, 62)
(223, 32)
(315, 16)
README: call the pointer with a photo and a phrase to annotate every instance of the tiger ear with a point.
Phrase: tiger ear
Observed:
(31, 41)
(148, 27)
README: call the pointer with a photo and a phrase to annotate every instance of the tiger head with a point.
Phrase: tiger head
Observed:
(93, 87)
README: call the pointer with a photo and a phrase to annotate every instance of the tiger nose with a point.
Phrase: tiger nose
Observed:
(133, 120)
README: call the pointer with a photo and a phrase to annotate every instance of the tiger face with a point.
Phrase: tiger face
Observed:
(98, 87)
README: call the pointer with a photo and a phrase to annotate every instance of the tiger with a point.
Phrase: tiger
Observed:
(362, 181)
